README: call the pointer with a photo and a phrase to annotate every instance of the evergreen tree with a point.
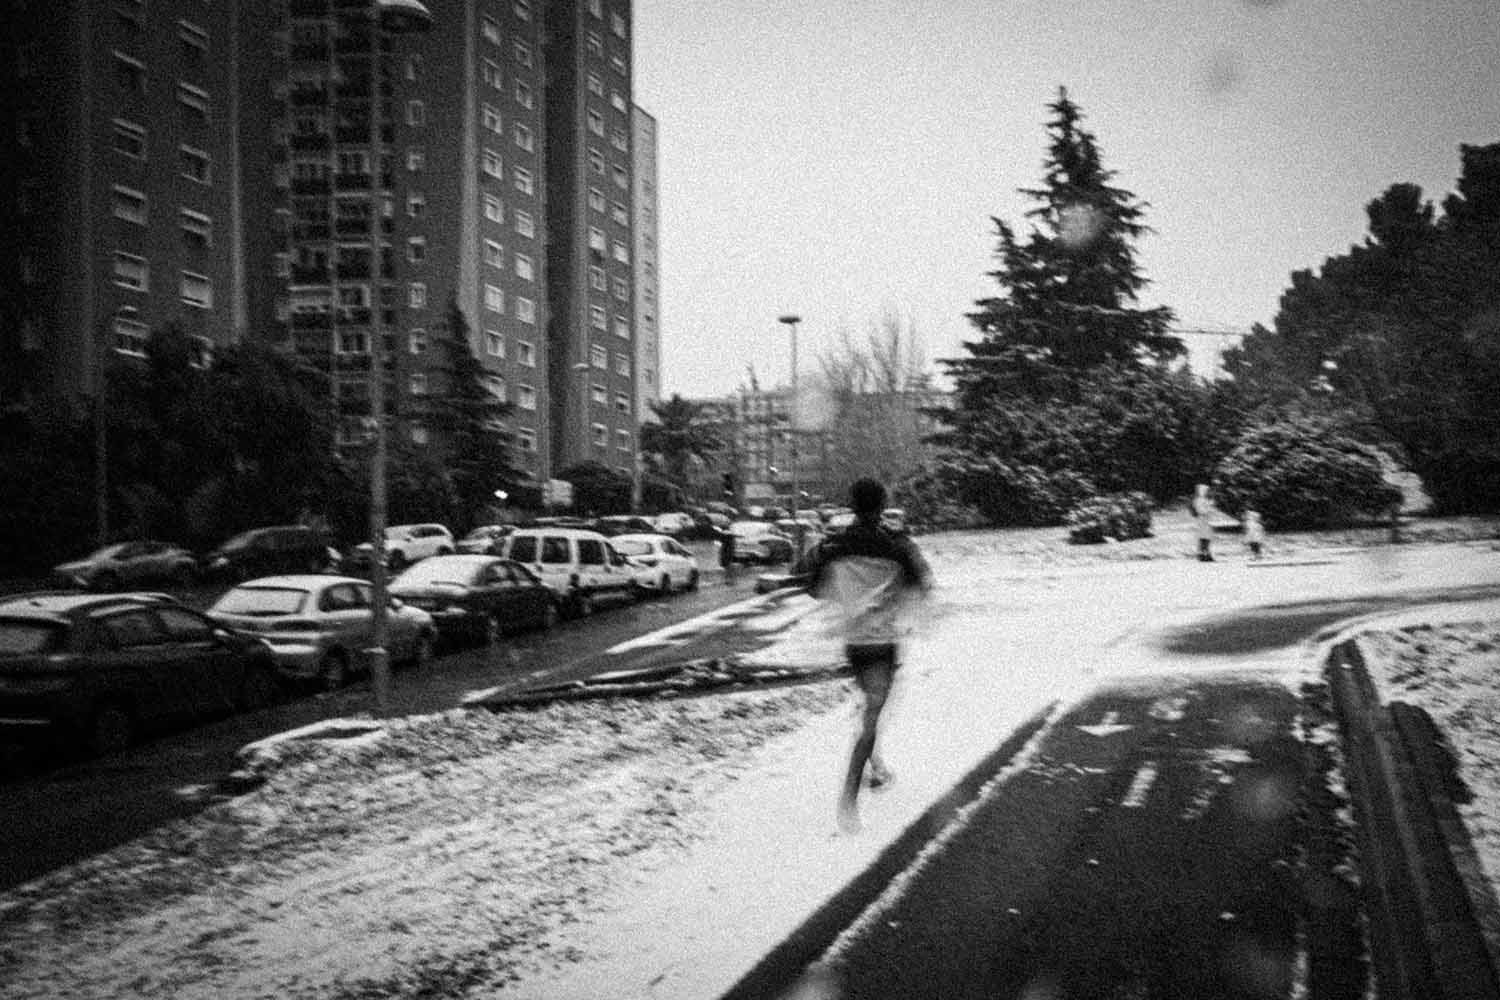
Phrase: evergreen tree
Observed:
(679, 434)
(468, 414)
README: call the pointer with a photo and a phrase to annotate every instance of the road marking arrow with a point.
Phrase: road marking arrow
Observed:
(1110, 725)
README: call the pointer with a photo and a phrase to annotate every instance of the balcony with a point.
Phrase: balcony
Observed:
(310, 185)
(312, 274)
(310, 141)
(311, 321)
(311, 230)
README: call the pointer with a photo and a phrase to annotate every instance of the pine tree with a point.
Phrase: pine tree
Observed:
(1067, 291)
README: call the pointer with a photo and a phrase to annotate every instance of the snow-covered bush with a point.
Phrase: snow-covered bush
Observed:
(1120, 516)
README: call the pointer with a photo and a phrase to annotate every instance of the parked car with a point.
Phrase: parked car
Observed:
(318, 627)
(839, 521)
(662, 563)
(621, 524)
(809, 534)
(406, 544)
(760, 542)
(579, 565)
(103, 669)
(477, 596)
(893, 519)
(484, 540)
(129, 564)
(286, 548)
(676, 523)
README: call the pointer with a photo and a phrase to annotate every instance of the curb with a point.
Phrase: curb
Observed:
(779, 970)
(1434, 919)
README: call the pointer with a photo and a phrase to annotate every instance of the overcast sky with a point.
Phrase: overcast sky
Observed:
(842, 158)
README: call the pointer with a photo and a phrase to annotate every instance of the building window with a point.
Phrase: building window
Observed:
(524, 181)
(622, 253)
(130, 74)
(617, 24)
(494, 208)
(526, 397)
(130, 336)
(416, 249)
(194, 103)
(525, 309)
(494, 298)
(495, 386)
(196, 290)
(595, 43)
(526, 439)
(596, 8)
(416, 113)
(416, 161)
(490, 117)
(525, 270)
(494, 343)
(595, 84)
(523, 137)
(354, 342)
(413, 67)
(416, 341)
(522, 9)
(620, 214)
(623, 440)
(596, 278)
(622, 289)
(416, 295)
(129, 204)
(618, 100)
(597, 319)
(596, 199)
(601, 436)
(600, 394)
(129, 139)
(619, 140)
(523, 53)
(622, 403)
(526, 353)
(617, 62)
(490, 29)
(596, 160)
(525, 225)
(596, 122)
(492, 164)
(197, 228)
(524, 96)
(622, 327)
(419, 434)
(416, 204)
(416, 383)
(194, 41)
(622, 364)
(132, 272)
(494, 254)
(489, 72)
(596, 240)
(194, 164)
(622, 179)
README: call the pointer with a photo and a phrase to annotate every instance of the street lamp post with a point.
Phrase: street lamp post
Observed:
(393, 17)
(792, 320)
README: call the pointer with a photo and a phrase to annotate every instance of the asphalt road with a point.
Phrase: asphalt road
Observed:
(55, 813)
(1149, 847)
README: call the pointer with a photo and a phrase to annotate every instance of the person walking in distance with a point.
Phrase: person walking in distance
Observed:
(1202, 524)
(863, 573)
(1255, 533)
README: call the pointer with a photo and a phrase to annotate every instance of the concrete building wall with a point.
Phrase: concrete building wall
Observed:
(647, 237)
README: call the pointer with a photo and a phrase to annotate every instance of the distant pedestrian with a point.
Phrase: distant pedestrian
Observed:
(1255, 533)
(726, 553)
(864, 572)
(1202, 524)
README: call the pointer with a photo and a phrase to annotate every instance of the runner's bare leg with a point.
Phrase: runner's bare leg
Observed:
(874, 682)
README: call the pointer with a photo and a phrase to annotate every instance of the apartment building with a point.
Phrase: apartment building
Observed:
(647, 285)
(591, 330)
(120, 185)
(441, 207)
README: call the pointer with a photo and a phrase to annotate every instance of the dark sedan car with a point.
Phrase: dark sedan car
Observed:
(129, 564)
(477, 596)
(286, 548)
(101, 670)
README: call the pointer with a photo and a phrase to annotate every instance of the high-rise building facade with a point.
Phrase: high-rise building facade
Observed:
(647, 287)
(590, 277)
(119, 185)
(453, 185)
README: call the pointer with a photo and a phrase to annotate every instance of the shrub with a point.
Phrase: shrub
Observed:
(1302, 472)
(1120, 516)
(1015, 494)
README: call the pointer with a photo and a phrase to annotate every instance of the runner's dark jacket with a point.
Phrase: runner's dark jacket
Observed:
(863, 572)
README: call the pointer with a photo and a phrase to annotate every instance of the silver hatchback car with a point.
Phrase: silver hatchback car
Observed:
(318, 627)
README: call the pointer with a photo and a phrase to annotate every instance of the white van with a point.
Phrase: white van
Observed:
(580, 566)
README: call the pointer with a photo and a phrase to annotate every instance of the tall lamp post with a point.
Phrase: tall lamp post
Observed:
(792, 320)
(387, 17)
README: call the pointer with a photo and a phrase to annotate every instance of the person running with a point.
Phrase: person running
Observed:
(863, 572)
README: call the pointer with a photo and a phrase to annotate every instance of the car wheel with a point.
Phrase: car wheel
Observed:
(422, 651)
(692, 583)
(107, 582)
(333, 671)
(445, 551)
(396, 561)
(258, 690)
(549, 616)
(637, 592)
(666, 585)
(111, 730)
(583, 605)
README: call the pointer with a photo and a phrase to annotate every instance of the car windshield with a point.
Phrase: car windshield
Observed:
(633, 547)
(108, 552)
(22, 638)
(747, 529)
(262, 602)
(479, 533)
(439, 570)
